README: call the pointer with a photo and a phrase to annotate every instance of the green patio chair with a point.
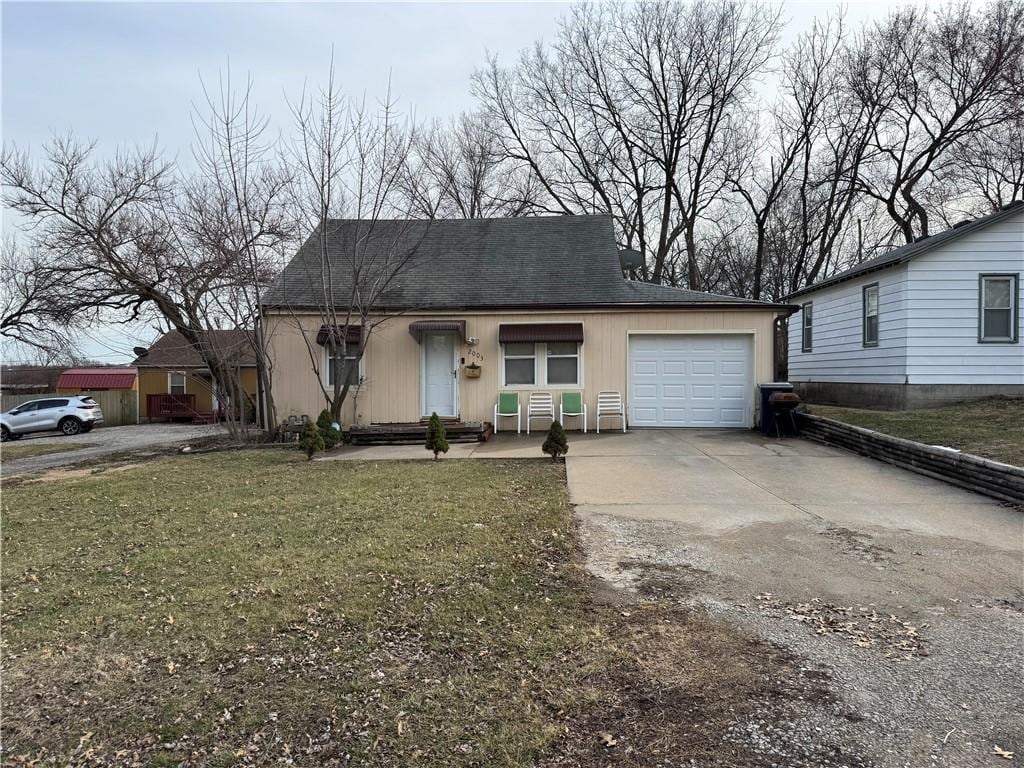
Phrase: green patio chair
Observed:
(507, 407)
(571, 404)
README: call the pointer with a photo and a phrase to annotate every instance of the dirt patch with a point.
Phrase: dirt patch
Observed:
(860, 545)
(663, 582)
(697, 691)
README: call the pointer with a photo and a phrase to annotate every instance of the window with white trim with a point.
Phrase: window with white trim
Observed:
(998, 309)
(807, 338)
(176, 382)
(520, 364)
(334, 367)
(553, 363)
(563, 362)
(870, 299)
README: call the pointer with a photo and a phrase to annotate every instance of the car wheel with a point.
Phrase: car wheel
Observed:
(70, 426)
(5, 434)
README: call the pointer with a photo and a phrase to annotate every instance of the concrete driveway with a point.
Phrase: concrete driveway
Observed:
(794, 541)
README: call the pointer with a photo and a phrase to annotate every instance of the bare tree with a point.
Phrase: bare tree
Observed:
(457, 170)
(349, 161)
(932, 81)
(985, 171)
(235, 210)
(630, 113)
(109, 230)
(38, 308)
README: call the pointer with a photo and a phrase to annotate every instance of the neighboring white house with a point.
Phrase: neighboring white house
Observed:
(938, 320)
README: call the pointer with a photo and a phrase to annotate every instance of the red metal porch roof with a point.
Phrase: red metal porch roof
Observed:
(97, 378)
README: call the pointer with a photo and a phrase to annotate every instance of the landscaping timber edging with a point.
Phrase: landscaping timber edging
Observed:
(992, 478)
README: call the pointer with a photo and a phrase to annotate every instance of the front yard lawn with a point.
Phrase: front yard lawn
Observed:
(255, 607)
(993, 428)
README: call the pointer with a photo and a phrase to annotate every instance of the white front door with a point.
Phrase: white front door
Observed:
(439, 374)
(691, 380)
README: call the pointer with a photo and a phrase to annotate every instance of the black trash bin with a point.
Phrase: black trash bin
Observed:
(768, 412)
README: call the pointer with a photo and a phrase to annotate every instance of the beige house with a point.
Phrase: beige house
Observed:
(517, 305)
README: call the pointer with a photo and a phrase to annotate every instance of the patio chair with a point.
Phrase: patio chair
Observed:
(507, 407)
(610, 406)
(542, 406)
(571, 404)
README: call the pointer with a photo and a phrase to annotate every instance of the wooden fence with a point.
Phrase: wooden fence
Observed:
(1000, 481)
(119, 406)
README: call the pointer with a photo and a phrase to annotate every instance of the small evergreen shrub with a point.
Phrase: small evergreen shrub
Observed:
(311, 441)
(437, 441)
(556, 443)
(325, 426)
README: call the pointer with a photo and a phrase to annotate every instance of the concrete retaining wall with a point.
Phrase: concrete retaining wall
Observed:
(1000, 481)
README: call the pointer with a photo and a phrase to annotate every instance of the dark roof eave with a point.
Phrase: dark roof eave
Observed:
(915, 249)
(847, 278)
(653, 305)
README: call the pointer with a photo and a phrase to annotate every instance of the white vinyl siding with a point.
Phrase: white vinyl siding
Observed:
(943, 301)
(928, 320)
(838, 352)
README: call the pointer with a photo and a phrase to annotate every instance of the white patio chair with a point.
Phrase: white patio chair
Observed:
(507, 407)
(610, 406)
(542, 406)
(571, 404)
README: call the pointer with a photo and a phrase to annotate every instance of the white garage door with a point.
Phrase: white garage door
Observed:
(691, 381)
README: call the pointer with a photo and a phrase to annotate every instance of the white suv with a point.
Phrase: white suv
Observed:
(70, 415)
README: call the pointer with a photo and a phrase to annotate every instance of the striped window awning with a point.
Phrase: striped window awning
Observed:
(512, 333)
(353, 334)
(420, 327)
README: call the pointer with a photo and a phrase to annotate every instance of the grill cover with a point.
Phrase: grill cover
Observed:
(353, 334)
(420, 327)
(527, 332)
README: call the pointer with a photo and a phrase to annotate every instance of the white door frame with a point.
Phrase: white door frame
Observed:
(455, 367)
(751, 379)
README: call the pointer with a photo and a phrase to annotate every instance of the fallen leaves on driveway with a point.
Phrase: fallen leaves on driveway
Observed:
(863, 626)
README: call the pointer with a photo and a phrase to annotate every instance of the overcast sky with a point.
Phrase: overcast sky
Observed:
(125, 73)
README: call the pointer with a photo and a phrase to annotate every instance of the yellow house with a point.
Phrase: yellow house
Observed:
(172, 366)
(530, 306)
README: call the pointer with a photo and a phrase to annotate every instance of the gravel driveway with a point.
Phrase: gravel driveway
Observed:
(903, 595)
(104, 441)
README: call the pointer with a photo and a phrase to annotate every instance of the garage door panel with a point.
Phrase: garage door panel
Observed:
(703, 367)
(691, 380)
(733, 367)
(674, 368)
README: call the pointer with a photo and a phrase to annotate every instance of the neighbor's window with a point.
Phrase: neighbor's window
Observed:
(335, 368)
(871, 315)
(563, 362)
(998, 302)
(808, 326)
(520, 363)
(176, 383)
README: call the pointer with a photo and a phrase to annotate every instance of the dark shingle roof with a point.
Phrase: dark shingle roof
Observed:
(536, 262)
(909, 251)
(172, 351)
